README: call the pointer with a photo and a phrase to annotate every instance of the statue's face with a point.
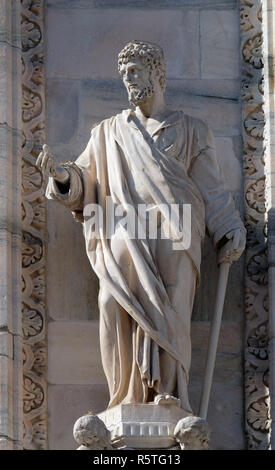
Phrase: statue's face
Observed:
(137, 80)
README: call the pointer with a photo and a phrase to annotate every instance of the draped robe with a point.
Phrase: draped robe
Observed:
(147, 288)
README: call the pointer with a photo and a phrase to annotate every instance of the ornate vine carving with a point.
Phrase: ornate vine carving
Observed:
(34, 228)
(252, 50)
(257, 401)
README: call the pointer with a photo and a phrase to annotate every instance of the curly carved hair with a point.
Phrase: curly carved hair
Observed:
(149, 54)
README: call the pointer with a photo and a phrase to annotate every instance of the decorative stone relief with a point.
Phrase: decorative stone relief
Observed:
(34, 228)
(257, 401)
(91, 433)
(192, 433)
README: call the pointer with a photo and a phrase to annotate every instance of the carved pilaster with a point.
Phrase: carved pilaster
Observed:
(257, 401)
(33, 228)
(10, 227)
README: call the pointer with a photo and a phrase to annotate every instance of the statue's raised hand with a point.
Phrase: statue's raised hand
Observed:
(46, 164)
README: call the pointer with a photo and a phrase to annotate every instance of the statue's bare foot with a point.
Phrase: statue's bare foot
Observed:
(166, 399)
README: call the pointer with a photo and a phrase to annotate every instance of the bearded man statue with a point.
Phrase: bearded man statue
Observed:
(147, 155)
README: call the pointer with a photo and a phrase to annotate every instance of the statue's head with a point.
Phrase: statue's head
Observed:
(142, 67)
(192, 433)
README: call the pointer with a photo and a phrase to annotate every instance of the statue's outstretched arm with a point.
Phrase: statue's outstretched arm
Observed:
(65, 181)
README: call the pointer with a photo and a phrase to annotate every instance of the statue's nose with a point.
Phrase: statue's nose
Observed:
(128, 77)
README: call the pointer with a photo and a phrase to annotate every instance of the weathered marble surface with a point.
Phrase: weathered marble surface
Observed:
(76, 345)
(66, 404)
(136, 4)
(100, 55)
(69, 305)
(219, 34)
(226, 403)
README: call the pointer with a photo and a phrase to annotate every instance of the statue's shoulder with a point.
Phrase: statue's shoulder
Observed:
(109, 122)
(105, 122)
(194, 122)
(199, 131)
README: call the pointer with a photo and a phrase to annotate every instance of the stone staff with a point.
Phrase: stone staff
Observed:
(224, 262)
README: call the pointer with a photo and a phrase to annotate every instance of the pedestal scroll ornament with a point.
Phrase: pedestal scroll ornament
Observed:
(143, 190)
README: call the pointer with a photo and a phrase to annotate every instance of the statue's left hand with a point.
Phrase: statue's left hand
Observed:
(233, 249)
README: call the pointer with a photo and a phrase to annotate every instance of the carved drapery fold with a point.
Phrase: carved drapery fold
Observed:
(257, 399)
(33, 228)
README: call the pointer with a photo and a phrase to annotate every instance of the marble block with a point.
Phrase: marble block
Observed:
(142, 426)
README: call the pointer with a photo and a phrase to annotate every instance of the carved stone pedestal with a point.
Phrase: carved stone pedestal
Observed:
(142, 426)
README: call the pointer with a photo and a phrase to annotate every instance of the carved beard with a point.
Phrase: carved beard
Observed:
(137, 95)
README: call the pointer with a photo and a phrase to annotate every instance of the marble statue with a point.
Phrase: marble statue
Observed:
(147, 155)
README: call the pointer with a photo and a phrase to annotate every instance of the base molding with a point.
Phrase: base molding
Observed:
(142, 426)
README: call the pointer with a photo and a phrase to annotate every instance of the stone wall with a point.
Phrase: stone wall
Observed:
(201, 44)
(11, 383)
